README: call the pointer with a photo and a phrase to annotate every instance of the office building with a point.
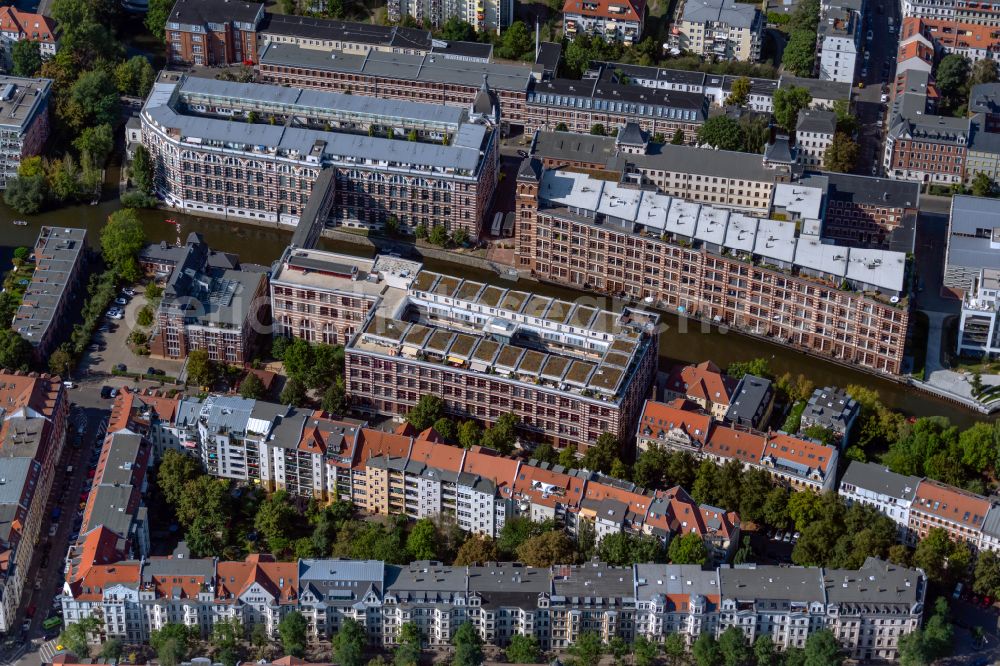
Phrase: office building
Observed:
(611, 20)
(33, 414)
(24, 121)
(17, 26)
(377, 159)
(326, 297)
(813, 135)
(214, 33)
(722, 29)
(47, 311)
(761, 276)
(973, 245)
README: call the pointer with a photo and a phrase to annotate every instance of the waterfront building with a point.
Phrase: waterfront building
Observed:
(611, 20)
(721, 29)
(752, 403)
(764, 277)
(705, 384)
(973, 244)
(24, 120)
(977, 325)
(214, 33)
(570, 372)
(45, 312)
(261, 152)
(33, 414)
(834, 410)
(17, 26)
(871, 212)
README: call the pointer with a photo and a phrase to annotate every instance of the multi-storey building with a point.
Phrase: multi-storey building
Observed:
(384, 159)
(215, 33)
(47, 308)
(958, 512)
(325, 297)
(834, 410)
(813, 135)
(871, 212)
(33, 416)
(825, 93)
(612, 20)
(752, 404)
(722, 29)
(219, 310)
(868, 610)
(569, 371)
(760, 276)
(838, 43)
(17, 26)
(876, 486)
(977, 325)
(329, 35)
(716, 87)
(973, 241)
(24, 121)
(704, 384)
(161, 260)
(483, 15)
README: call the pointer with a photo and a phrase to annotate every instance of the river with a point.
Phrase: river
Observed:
(680, 341)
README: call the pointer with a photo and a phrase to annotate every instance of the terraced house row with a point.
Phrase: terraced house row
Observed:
(868, 609)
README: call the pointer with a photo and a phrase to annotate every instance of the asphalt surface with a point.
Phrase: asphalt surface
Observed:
(879, 68)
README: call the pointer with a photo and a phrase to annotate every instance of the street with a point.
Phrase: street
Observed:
(879, 68)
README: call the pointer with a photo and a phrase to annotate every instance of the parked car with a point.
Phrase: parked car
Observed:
(870, 36)
(106, 392)
(885, 98)
(864, 73)
(121, 301)
(128, 291)
(154, 371)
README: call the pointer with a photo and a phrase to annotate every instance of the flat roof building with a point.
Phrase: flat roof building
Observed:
(24, 120)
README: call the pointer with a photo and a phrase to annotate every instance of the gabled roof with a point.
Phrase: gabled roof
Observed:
(622, 10)
(951, 503)
(33, 27)
(660, 419)
(278, 579)
(809, 454)
(704, 381)
(737, 444)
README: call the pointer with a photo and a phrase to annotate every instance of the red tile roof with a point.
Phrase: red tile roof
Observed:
(622, 10)
(744, 445)
(34, 27)
(679, 414)
(811, 454)
(704, 381)
(950, 503)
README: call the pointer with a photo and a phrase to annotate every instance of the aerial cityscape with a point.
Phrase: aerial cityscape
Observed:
(584, 332)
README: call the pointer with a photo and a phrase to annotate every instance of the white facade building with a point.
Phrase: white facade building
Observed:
(874, 485)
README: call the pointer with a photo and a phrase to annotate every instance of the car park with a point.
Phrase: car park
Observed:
(128, 291)
(106, 392)
(121, 300)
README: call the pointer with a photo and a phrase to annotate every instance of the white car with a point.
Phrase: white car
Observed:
(885, 98)
(870, 36)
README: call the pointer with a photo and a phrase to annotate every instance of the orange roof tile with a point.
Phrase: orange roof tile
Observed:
(34, 27)
(678, 414)
(744, 445)
(622, 10)
(802, 451)
(704, 381)
(950, 503)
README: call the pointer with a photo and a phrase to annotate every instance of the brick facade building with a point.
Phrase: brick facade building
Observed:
(215, 33)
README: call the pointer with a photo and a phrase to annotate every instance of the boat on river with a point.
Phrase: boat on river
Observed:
(20, 223)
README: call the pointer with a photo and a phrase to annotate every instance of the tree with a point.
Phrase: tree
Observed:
(739, 93)
(420, 231)
(226, 635)
(678, 138)
(721, 132)
(502, 435)
(294, 392)
(952, 79)
(822, 649)
(805, 16)
(800, 53)
(200, 368)
(623, 549)
(587, 649)
(525, 650)
(982, 184)
(932, 553)
(567, 457)
(516, 42)
(121, 239)
(92, 100)
(61, 362)
(477, 549)
(26, 195)
(457, 30)
(427, 410)
(756, 366)
(468, 646)
(688, 549)
(173, 474)
(95, 145)
(674, 647)
(26, 57)
(789, 101)
(763, 650)
(469, 434)
(112, 649)
(516, 531)
(706, 650)
(983, 71)
(135, 76)
(544, 550)
(597, 129)
(410, 641)
(842, 153)
(15, 351)
(274, 520)
(644, 650)
(171, 643)
(601, 455)
(561, 127)
(734, 648)
(756, 130)
(156, 17)
(335, 398)
(349, 643)
(438, 235)
(252, 388)
(74, 636)
(460, 237)
(292, 630)
(422, 543)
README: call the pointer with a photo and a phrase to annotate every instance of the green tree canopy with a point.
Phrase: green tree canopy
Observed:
(121, 239)
(135, 76)
(468, 646)
(688, 549)
(172, 643)
(544, 550)
(252, 387)
(516, 42)
(408, 649)
(477, 549)
(523, 650)
(349, 643)
(587, 649)
(842, 153)
(800, 53)
(200, 368)
(789, 101)
(721, 132)
(422, 542)
(274, 520)
(428, 409)
(739, 93)
(292, 630)
(457, 30)
(26, 57)
(15, 351)
(92, 100)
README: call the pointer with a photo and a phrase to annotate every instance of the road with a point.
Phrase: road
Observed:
(879, 68)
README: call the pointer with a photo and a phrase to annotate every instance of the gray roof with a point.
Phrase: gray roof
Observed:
(180, 564)
(14, 474)
(817, 121)
(656, 581)
(876, 582)
(759, 583)
(729, 12)
(831, 408)
(203, 12)
(985, 98)
(749, 400)
(430, 68)
(122, 454)
(868, 191)
(548, 55)
(635, 96)
(818, 88)
(879, 479)
(58, 253)
(595, 580)
(425, 581)
(991, 526)
(509, 583)
(21, 100)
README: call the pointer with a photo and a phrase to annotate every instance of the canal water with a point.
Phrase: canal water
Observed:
(679, 341)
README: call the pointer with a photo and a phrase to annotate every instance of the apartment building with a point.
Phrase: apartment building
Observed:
(611, 20)
(569, 371)
(977, 325)
(17, 26)
(871, 212)
(215, 33)
(838, 43)
(876, 486)
(867, 609)
(33, 419)
(48, 307)
(161, 260)
(716, 87)
(760, 276)
(24, 121)
(436, 166)
(958, 512)
(825, 93)
(483, 15)
(834, 410)
(219, 310)
(813, 135)
(325, 297)
(753, 403)
(351, 37)
(722, 29)
(799, 463)
(704, 384)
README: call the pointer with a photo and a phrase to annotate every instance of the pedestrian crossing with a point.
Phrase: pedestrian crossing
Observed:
(46, 651)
